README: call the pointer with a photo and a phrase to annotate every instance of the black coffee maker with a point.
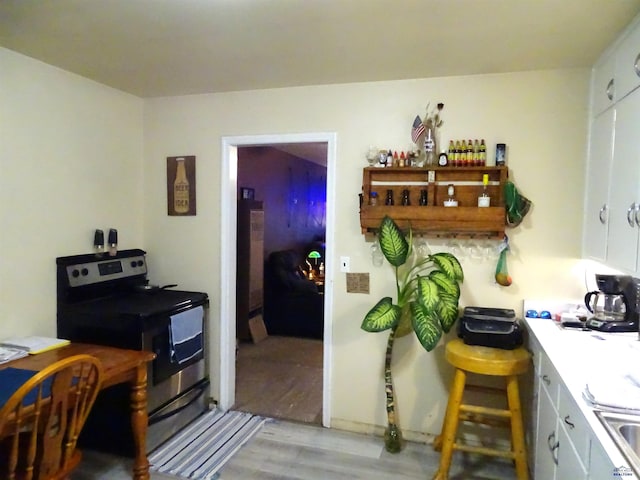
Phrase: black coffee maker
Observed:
(615, 305)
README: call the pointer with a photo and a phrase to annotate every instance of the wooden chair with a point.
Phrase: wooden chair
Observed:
(40, 423)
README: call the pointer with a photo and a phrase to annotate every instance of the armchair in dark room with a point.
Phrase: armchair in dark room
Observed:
(293, 306)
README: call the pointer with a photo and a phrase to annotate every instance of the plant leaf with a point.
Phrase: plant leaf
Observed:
(426, 326)
(428, 293)
(447, 311)
(393, 243)
(447, 284)
(449, 264)
(383, 316)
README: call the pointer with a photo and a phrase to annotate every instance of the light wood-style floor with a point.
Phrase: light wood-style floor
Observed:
(281, 378)
(285, 450)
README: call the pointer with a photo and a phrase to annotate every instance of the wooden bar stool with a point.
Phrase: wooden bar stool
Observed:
(483, 361)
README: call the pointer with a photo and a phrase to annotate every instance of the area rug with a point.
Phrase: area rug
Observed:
(202, 448)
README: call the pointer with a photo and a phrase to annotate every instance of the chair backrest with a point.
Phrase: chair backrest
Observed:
(41, 421)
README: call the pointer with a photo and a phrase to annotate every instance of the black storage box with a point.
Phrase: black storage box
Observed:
(490, 327)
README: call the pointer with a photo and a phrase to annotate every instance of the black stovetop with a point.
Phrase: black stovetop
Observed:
(139, 305)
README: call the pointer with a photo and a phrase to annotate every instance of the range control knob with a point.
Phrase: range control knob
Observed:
(140, 263)
(84, 272)
(133, 264)
(75, 273)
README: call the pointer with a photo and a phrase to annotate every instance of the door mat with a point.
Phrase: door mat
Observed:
(202, 448)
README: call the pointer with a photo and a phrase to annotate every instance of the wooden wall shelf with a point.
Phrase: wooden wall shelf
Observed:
(466, 220)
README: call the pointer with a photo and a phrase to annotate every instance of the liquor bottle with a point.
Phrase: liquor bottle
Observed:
(483, 153)
(462, 161)
(423, 198)
(456, 156)
(389, 199)
(476, 153)
(451, 153)
(405, 198)
(469, 154)
(181, 188)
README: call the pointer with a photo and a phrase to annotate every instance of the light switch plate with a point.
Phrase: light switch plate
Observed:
(345, 264)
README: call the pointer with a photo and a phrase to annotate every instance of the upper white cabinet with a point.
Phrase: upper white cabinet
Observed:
(627, 64)
(624, 196)
(596, 212)
(612, 196)
(603, 84)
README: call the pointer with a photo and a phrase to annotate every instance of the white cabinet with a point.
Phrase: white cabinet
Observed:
(562, 436)
(600, 465)
(570, 464)
(627, 68)
(596, 210)
(570, 442)
(603, 85)
(612, 197)
(624, 193)
(546, 438)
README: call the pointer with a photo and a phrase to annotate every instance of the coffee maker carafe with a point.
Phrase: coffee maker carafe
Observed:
(614, 305)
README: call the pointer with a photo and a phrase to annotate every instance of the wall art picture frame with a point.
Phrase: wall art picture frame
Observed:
(181, 185)
(247, 193)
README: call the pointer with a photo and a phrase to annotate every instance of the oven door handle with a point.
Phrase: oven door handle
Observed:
(198, 391)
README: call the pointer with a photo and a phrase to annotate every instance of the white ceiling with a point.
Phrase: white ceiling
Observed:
(175, 47)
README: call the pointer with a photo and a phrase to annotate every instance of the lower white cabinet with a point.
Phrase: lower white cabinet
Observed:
(563, 440)
(600, 465)
(546, 438)
(570, 465)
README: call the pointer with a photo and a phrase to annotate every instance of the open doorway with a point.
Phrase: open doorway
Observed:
(281, 244)
(229, 189)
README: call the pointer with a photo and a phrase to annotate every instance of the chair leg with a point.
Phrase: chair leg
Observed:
(517, 428)
(450, 425)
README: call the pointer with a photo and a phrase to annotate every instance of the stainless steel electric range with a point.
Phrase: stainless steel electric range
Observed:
(107, 300)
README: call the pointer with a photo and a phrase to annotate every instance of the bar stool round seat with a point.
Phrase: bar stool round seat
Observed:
(483, 361)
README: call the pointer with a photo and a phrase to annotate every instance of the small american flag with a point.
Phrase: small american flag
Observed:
(417, 129)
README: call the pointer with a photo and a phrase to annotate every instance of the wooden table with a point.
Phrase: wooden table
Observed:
(120, 366)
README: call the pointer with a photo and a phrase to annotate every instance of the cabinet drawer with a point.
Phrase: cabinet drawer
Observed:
(628, 64)
(574, 423)
(549, 379)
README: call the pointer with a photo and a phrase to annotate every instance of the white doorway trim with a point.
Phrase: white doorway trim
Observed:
(227, 313)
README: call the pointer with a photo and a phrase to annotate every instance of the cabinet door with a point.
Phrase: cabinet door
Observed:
(622, 239)
(628, 64)
(569, 464)
(546, 439)
(600, 465)
(603, 85)
(596, 209)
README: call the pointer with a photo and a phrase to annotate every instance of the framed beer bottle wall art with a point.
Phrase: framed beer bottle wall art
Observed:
(181, 185)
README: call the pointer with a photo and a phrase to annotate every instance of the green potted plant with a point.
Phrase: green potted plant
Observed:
(428, 290)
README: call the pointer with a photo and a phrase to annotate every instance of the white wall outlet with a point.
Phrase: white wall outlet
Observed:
(345, 264)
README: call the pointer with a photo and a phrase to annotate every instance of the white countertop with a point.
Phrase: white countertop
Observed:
(580, 357)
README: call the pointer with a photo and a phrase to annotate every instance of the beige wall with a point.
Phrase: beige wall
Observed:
(72, 161)
(540, 115)
(70, 156)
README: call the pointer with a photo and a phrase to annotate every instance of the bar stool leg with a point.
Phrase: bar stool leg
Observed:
(517, 428)
(450, 425)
